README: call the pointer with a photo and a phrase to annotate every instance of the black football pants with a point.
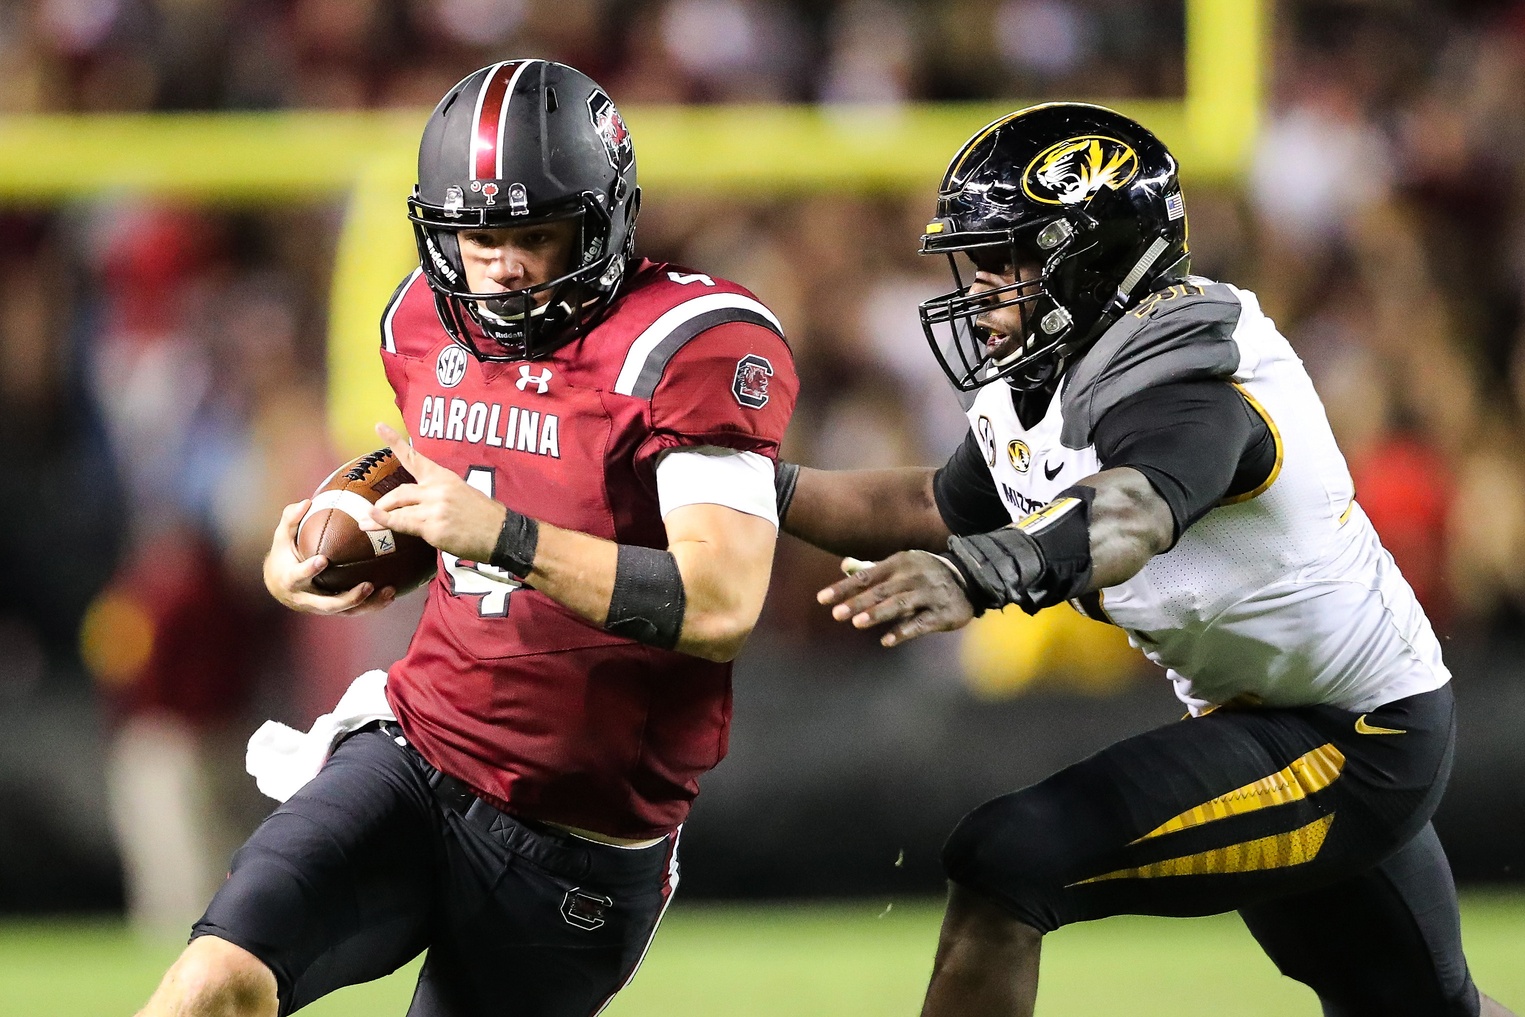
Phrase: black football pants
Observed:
(366, 867)
(1313, 823)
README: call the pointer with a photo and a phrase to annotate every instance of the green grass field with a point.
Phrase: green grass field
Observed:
(803, 961)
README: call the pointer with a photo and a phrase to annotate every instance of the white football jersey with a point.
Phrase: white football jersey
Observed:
(1282, 596)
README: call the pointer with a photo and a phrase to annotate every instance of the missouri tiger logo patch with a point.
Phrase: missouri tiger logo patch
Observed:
(1071, 171)
(1020, 455)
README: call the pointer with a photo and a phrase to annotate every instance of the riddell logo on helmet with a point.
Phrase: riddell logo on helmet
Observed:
(440, 263)
(1072, 170)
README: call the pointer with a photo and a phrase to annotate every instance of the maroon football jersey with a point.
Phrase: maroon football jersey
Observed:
(544, 713)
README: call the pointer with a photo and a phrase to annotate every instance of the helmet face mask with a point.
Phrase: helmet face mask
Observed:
(1082, 191)
(516, 144)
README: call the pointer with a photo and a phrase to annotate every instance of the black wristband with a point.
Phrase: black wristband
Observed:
(517, 540)
(1062, 529)
(785, 476)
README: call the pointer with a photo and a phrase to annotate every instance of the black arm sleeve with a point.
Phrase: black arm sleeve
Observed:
(965, 492)
(1198, 442)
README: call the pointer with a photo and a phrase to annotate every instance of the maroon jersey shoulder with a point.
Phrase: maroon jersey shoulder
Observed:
(664, 307)
(410, 325)
(708, 357)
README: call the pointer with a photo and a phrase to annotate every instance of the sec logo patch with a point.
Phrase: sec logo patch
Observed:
(750, 386)
(986, 433)
(1020, 455)
(450, 368)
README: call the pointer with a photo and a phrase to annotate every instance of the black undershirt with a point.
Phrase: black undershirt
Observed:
(1198, 442)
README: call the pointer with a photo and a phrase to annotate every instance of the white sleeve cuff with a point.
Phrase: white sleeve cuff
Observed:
(710, 475)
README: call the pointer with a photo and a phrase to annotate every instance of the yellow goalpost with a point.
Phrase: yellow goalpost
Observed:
(749, 150)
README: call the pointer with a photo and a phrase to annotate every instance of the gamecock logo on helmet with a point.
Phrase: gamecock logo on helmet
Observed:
(751, 384)
(611, 128)
(1073, 170)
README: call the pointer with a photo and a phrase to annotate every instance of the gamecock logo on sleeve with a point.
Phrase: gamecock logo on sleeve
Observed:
(751, 384)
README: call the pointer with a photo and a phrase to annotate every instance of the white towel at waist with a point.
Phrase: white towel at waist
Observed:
(281, 759)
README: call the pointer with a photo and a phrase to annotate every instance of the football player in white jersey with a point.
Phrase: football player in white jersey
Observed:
(1144, 444)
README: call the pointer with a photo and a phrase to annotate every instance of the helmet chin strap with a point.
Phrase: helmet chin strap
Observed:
(1114, 310)
(1119, 302)
(484, 308)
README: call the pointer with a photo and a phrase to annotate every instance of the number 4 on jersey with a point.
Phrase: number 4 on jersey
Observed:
(475, 579)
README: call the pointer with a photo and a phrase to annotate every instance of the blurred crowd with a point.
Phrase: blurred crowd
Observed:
(161, 367)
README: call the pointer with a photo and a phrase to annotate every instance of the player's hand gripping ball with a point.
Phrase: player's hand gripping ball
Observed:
(339, 527)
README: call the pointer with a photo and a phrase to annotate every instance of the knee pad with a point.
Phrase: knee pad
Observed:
(1000, 852)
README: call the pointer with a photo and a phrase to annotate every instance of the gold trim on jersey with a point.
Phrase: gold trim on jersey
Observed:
(1100, 614)
(1345, 516)
(1264, 485)
(1047, 515)
(1309, 773)
(1279, 851)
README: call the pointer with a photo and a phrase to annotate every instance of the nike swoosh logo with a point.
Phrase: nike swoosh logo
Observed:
(1049, 474)
(1364, 728)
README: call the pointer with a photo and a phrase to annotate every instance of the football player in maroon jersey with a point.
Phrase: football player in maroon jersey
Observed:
(593, 440)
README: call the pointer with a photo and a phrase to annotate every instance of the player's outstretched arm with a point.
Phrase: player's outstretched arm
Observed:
(1099, 533)
(862, 513)
(289, 578)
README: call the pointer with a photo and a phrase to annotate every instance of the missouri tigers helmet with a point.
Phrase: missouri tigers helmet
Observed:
(514, 144)
(1085, 192)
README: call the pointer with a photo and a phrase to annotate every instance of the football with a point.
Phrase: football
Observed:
(332, 527)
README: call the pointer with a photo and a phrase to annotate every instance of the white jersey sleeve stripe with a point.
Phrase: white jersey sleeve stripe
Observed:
(646, 344)
(388, 340)
(708, 475)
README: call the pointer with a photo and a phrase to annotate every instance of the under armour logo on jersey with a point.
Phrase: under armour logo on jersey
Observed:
(450, 368)
(541, 381)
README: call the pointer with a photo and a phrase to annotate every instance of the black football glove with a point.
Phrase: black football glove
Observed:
(998, 568)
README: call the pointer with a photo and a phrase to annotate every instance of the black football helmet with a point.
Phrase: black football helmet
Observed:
(514, 144)
(1091, 196)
